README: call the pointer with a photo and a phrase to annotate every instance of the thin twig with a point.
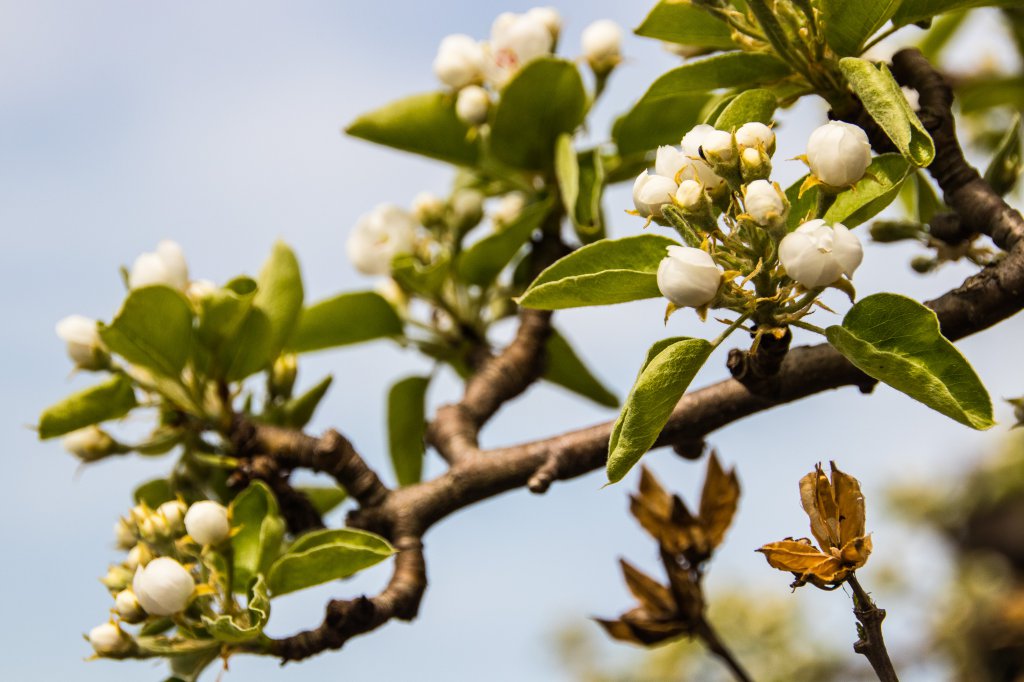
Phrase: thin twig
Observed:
(871, 644)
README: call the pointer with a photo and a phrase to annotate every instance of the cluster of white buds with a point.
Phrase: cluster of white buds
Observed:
(379, 237)
(164, 266)
(84, 346)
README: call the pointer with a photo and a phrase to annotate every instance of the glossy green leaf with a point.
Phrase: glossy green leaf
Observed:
(650, 124)
(545, 99)
(883, 99)
(407, 425)
(913, 11)
(422, 124)
(322, 556)
(323, 498)
(223, 311)
(683, 23)
(605, 272)
(1004, 169)
(801, 208)
(483, 261)
(299, 410)
(752, 105)
(566, 369)
(279, 294)
(258, 530)
(728, 70)
(588, 218)
(897, 340)
(112, 399)
(153, 493)
(849, 23)
(245, 626)
(877, 189)
(152, 330)
(669, 368)
(343, 320)
(250, 349)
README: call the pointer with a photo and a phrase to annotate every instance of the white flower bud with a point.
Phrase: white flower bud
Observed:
(690, 195)
(718, 146)
(427, 208)
(200, 289)
(378, 237)
(127, 607)
(688, 277)
(459, 61)
(755, 135)
(207, 522)
(124, 534)
(815, 254)
(117, 578)
(164, 266)
(508, 209)
(602, 44)
(755, 164)
(515, 40)
(838, 153)
(472, 105)
(109, 640)
(89, 444)
(163, 587)
(765, 202)
(173, 512)
(139, 555)
(694, 140)
(549, 17)
(651, 192)
(670, 161)
(84, 346)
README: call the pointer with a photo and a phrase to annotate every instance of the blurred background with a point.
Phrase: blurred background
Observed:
(218, 125)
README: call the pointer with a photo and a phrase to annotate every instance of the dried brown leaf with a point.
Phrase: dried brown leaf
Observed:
(795, 556)
(855, 553)
(850, 505)
(652, 595)
(718, 501)
(817, 501)
(618, 630)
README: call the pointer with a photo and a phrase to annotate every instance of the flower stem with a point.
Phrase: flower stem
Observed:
(870, 643)
(729, 330)
(808, 326)
(718, 648)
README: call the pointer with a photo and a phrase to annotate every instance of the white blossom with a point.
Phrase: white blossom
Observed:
(378, 237)
(602, 44)
(515, 40)
(718, 146)
(651, 192)
(82, 337)
(549, 17)
(698, 168)
(472, 105)
(688, 277)
(89, 444)
(127, 607)
(694, 139)
(755, 135)
(690, 195)
(164, 266)
(816, 254)
(765, 202)
(669, 161)
(173, 512)
(427, 208)
(838, 153)
(459, 61)
(124, 534)
(207, 522)
(109, 640)
(163, 587)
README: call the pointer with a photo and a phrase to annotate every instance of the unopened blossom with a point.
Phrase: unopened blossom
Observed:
(140, 554)
(89, 444)
(755, 135)
(816, 254)
(549, 17)
(378, 237)
(698, 168)
(694, 139)
(109, 640)
(755, 164)
(765, 202)
(602, 45)
(718, 147)
(472, 105)
(164, 266)
(82, 338)
(127, 607)
(173, 512)
(207, 522)
(124, 534)
(838, 153)
(459, 61)
(427, 208)
(651, 192)
(690, 195)
(670, 162)
(515, 40)
(688, 276)
(163, 587)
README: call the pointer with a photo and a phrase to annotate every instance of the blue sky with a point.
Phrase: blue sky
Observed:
(217, 124)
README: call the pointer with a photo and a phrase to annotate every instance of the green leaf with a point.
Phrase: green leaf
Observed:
(913, 11)
(668, 370)
(424, 279)
(752, 105)
(588, 216)
(801, 208)
(279, 294)
(567, 172)
(112, 399)
(257, 533)
(422, 124)
(326, 555)
(877, 189)
(650, 124)
(482, 262)
(566, 369)
(323, 498)
(987, 92)
(883, 99)
(729, 70)
(245, 626)
(938, 36)
(849, 23)
(605, 272)
(927, 202)
(1004, 168)
(343, 320)
(545, 99)
(299, 410)
(897, 340)
(678, 22)
(152, 330)
(174, 646)
(406, 428)
(250, 349)
(154, 493)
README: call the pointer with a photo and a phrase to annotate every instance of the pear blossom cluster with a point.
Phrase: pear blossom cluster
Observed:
(742, 246)
(476, 70)
(165, 572)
